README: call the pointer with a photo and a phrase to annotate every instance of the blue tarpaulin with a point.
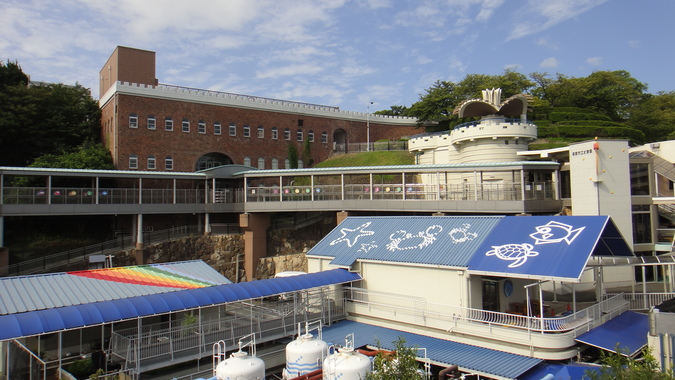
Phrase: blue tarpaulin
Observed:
(629, 331)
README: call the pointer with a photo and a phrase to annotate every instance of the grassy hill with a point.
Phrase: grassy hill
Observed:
(560, 126)
(369, 159)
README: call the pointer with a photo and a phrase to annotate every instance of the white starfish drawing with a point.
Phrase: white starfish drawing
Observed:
(352, 235)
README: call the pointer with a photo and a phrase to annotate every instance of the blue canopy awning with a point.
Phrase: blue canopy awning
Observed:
(91, 314)
(468, 357)
(628, 331)
(546, 247)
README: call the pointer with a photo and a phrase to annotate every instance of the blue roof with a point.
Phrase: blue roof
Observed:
(439, 240)
(555, 371)
(89, 314)
(542, 247)
(547, 247)
(629, 331)
(466, 356)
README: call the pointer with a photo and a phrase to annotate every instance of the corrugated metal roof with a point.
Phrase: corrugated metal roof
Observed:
(435, 240)
(37, 292)
(89, 314)
(467, 357)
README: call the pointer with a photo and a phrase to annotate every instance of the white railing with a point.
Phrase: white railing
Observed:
(643, 301)
(417, 311)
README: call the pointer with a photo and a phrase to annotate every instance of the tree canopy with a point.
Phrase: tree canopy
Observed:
(619, 101)
(42, 119)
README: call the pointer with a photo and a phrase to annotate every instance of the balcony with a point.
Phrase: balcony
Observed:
(543, 337)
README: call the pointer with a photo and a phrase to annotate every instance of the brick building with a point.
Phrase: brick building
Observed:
(151, 126)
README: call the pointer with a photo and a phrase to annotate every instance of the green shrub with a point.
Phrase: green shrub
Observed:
(81, 369)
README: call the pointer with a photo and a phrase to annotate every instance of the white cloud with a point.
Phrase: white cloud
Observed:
(594, 61)
(546, 42)
(549, 63)
(290, 70)
(633, 44)
(539, 15)
(513, 66)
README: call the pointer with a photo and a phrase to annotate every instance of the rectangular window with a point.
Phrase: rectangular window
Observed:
(168, 163)
(642, 225)
(216, 129)
(310, 136)
(186, 126)
(133, 161)
(152, 124)
(300, 122)
(275, 133)
(287, 134)
(152, 163)
(324, 137)
(639, 179)
(133, 121)
(201, 127)
(261, 132)
(168, 124)
(247, 131)
(233, 129)
(298, 135)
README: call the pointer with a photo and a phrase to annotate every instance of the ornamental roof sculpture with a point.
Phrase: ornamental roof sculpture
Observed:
(490, 105)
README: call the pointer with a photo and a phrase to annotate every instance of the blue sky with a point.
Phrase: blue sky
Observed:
(343, 53)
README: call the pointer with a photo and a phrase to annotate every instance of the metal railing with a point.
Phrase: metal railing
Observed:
(431, 314)
(91, 196)
(642, 301)
(377, 146)
(399, 191)
(267, 319)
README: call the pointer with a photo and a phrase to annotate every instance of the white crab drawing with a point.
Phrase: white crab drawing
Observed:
(402, 240)
(461, 235)
(518, 253)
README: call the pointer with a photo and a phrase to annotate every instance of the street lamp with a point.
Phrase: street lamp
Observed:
(368, 127)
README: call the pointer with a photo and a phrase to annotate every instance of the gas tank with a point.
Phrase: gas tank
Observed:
(241, 366)
(304, 355)
(346, 364)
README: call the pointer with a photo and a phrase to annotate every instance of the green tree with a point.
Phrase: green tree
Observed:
(307, 154)
(655, 116)
(44, 119)
(394, 111)
(616, 366)
(292, 156)
(401, 365)
(435, 107)
(12, 75)
(86, 156)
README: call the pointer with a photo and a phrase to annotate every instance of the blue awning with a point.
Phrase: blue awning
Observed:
(91, 314)
(467, 357)
(555, 371)
(629, 331)
(546, 247)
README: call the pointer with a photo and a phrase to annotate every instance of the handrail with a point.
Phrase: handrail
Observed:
(422, 311)
(507, 191)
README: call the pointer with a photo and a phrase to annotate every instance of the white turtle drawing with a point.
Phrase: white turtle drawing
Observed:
(518, 253)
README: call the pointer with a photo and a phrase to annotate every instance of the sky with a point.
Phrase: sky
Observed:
(344, 53)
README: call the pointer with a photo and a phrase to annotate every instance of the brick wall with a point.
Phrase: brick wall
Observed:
(185, 148)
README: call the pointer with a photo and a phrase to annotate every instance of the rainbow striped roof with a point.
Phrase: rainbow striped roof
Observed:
(38, 292)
